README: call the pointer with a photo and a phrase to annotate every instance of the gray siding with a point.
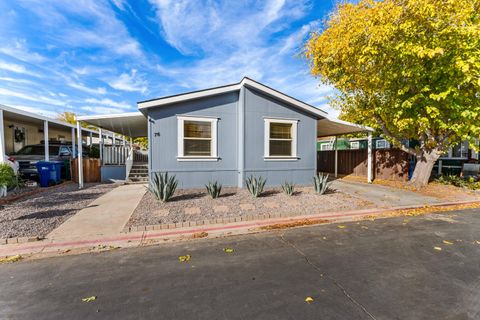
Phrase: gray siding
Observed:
(195, 174)
(236, 115)
(257, 108)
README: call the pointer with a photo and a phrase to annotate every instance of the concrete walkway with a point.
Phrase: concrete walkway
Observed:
(106, 216)
(382, 196)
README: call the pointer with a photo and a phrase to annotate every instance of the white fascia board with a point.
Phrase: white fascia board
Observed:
(228, 88)
(188, 96)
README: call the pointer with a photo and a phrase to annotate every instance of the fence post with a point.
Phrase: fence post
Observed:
(370, 159)
(335, 143)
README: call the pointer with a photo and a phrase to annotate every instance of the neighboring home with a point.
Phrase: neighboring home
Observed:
(450, 163)
(351, 143)
(229, 133)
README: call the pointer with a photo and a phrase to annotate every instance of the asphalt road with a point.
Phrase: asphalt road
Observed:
(383, 269)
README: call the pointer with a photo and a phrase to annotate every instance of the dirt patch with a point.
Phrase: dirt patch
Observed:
(239, 203)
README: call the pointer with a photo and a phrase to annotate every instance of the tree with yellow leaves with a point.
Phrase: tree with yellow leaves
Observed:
(410, 68)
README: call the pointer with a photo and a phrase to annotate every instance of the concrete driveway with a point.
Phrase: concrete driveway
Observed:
(383, 196)
(383, 269)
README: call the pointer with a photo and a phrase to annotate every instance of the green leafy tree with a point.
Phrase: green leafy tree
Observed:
(410, 68)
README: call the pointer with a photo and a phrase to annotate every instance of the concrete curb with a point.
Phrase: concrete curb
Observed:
(186, 224)
(50, 247)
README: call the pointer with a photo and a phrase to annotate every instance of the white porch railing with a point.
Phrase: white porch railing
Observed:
(115, 155)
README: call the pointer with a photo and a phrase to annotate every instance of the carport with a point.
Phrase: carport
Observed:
(36, 128)
(331, 127)
(131, 125)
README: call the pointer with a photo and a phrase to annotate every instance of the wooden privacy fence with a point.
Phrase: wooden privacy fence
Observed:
(115, 155)
(388, 164)
(91, 170)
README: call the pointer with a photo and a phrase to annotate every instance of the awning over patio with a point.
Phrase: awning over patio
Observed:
(328, 127)
(132, 124)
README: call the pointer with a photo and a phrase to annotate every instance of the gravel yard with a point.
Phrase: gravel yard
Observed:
(196, 204)
(39, 214)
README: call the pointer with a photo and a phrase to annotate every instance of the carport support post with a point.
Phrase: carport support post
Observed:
(370, 159)
(80, 156)
(335, 143)
(45, 139)
(74, 147)
(91, 139)
(100, 133)
(2, 139)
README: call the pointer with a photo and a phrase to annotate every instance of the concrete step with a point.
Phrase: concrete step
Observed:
(135, 179)
(139, 171)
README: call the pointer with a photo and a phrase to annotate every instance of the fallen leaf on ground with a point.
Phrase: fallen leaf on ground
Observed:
(364, 227)
(202, 234)
(341, 226)
(184, 258)
(308, 299)
(228, 250)
(477, 242)
(437, 248)
(89, 299)
(11, 259)
(293, 224)
(447, 242)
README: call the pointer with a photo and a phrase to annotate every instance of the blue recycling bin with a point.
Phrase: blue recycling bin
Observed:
(43, 169)
(56, 171)
(49, 171)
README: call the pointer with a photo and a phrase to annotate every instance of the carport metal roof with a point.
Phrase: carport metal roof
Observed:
(131, 124)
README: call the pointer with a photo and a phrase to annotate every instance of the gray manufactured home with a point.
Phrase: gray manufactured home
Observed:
(229, 133)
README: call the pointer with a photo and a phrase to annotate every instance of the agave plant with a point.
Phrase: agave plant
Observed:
(320, 183)
(255, 186)
(214, 189)
(162, 186)
(288, 188)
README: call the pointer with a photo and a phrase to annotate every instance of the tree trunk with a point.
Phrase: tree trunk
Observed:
(423, 168)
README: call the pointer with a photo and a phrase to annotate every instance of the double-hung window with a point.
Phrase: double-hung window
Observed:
(197, 138)
(280, 139)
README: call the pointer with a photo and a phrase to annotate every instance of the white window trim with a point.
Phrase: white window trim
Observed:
(387, 144)
(355, 145)
(180, 139)
(266, 153)
(326, 147)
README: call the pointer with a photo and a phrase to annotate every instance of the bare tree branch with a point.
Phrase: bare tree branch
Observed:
(388, 133)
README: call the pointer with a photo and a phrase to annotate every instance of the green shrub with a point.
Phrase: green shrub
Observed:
(214, 189)
(255, 186)
(7, 176)
(288, 188)
(162, 186)
(458, 181)
(320, 183)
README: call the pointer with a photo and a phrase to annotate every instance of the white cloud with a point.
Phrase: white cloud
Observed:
(13, 67)
(99, 110)
(64, 23)
(18, 49)
(233, 39)
(109, 103)
(31, 97)
(16, 80)
(129, 82)
(82, 87)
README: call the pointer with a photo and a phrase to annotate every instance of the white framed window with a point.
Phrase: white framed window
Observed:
(326, 147)
(197, 138)
(280, 139)
(458, 151)
(355, 145)
(382, 144)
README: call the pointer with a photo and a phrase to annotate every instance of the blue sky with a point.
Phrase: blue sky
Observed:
(101, 57)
